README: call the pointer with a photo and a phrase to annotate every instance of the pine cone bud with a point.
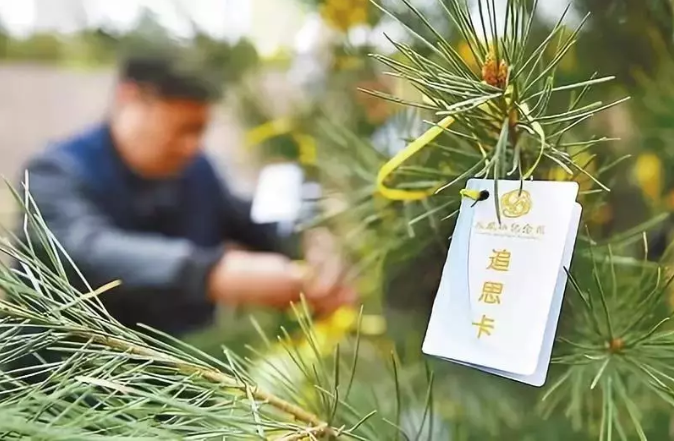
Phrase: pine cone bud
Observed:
(493, 73)
(616, 345)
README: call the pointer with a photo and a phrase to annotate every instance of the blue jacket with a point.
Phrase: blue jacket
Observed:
(160, 238)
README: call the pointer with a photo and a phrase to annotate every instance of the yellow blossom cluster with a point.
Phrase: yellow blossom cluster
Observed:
(345, 14)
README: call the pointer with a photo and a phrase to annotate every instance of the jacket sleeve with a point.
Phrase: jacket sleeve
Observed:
(257, 237)
(104, 252)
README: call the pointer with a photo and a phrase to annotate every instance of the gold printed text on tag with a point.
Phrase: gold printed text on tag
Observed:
(515, 203)
(491, 293)
(510, 229)
(499, 260)
(485, 326)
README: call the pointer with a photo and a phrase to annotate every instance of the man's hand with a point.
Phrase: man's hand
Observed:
(326, 289)
(268, 279)
(250, 278)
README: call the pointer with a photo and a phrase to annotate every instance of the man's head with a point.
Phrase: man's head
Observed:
(161, 110)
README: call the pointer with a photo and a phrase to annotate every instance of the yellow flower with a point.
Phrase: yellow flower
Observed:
(347, 62)
(583, 160)
(345, 14)
(467, 55)
(330, 331)
(648, 175)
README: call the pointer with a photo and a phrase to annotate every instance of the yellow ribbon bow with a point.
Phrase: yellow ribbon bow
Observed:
(305, 143)
(425, 139)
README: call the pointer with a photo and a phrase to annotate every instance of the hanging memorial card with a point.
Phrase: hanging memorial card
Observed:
(502, 286)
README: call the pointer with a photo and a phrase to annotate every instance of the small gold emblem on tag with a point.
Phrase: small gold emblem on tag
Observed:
(515, 203)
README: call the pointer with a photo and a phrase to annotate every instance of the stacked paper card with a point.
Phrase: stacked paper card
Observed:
(503, 283)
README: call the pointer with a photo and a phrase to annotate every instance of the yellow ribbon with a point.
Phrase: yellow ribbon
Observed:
(412, 149)
(307, 148)
(421, 142)
(471, 194)
(305, 143)
(268, 130)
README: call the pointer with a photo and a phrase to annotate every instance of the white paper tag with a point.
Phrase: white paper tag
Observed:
(502, 285)
(278, 196)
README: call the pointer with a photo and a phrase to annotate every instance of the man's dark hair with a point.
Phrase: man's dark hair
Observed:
(171, 72)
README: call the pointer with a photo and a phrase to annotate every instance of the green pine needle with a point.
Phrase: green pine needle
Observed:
(481, 101)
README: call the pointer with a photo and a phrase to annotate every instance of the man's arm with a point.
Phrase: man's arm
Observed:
(103, 252)
(239, 226)
(256, 237)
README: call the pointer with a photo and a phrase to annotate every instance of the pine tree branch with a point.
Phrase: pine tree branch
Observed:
(515, 83)
(43, 313)
(211, 375)
(312, 432)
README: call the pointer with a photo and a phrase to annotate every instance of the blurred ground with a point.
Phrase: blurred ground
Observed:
(41, 103)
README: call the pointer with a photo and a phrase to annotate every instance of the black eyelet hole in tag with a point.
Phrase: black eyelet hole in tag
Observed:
(483, 196)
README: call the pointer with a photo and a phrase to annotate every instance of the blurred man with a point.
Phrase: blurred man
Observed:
(136, 199)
